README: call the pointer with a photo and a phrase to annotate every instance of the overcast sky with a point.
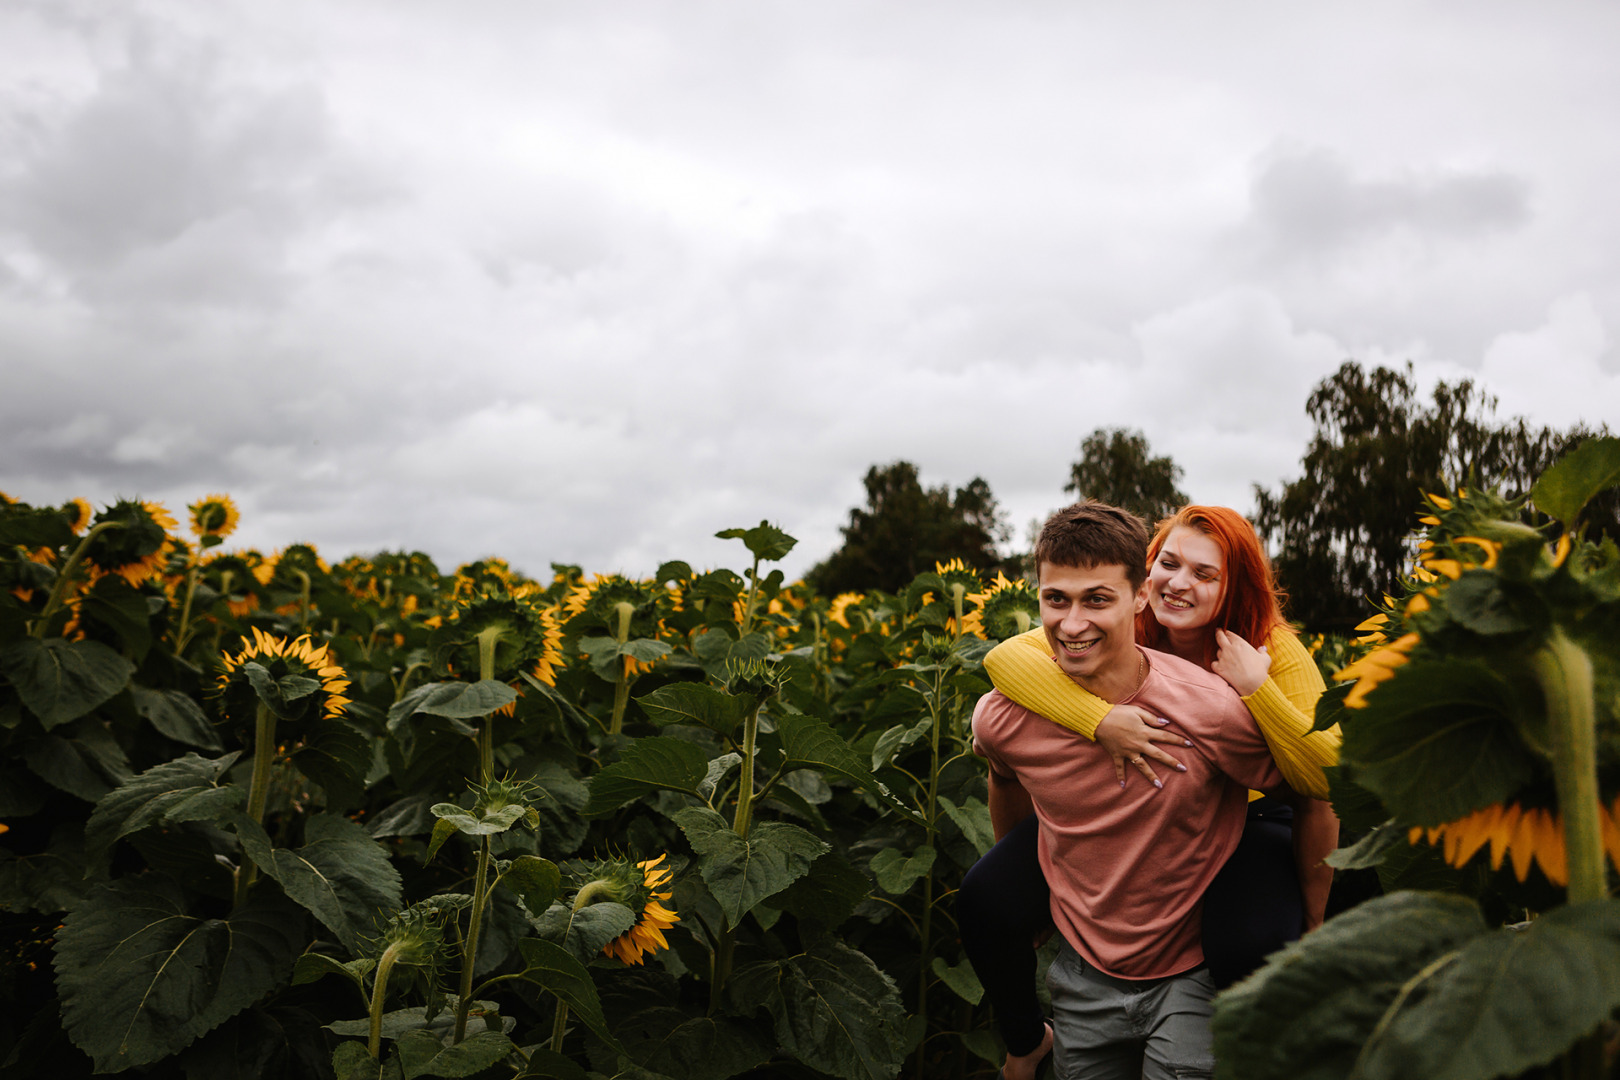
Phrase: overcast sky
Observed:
(587, 282)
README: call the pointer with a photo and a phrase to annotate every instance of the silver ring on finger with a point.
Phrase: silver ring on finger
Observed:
(1136, 761)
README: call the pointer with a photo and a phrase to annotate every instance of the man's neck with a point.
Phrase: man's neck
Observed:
(1119, 681)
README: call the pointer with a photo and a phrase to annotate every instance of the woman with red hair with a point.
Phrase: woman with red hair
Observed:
(1212, 600)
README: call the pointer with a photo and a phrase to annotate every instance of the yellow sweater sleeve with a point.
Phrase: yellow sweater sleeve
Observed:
(1023, 669)
(1284, 708)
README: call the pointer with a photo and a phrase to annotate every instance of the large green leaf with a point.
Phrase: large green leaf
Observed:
(811, 743)
(1565, 489)
(176, 715)
(340, 874)
(962, 979)
(336, 756)
(897, 872)
(185, 789)
(51, 881)
(583, 933)
(681, 1046)
(1511, 1000)
(89, 765)
(973, 818)
(534, 880)
(835, 1010)
(1306, 1014)
(659, 763)
(1438, 741)
(61, 680)
(1478, 601)
(695, 703)
(828, 893)
(140, 979)
(422, 1053)
(549, 966)
(114, 604)
(765, 541)
(453, 700)
(741, 872)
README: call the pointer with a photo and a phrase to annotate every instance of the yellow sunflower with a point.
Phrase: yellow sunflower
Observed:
(78, 513)
(1525, 834)
(1374, 668)
(647, 936)
(214, 515)
(139, 548)
(841, 605)
(282, 657)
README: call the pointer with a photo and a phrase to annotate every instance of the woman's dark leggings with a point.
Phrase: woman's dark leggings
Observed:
(1251, 909)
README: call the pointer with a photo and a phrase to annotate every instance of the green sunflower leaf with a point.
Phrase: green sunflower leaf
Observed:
(834, 1009)
(973, 818)
(534, 880)
(1306, 1014)
(962, 979)
(812, 743)
(340, 874)
(741, 872)
(1563, 491)
(1438, 741)
(584, 933)
(897, 873)
(695, 703)
(313, 966)
(140, 979)
(676, 1044)
(422, 1053)
(550, 967)
(454, 700)
(765, 541)
(186, 789)
(828, 893)
(62, 680)
(114, 604)
(659, 763)
(1512, 1000)
(177, 716)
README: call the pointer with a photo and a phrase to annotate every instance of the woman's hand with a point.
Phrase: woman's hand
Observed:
(1131, 733)
(1239, 663)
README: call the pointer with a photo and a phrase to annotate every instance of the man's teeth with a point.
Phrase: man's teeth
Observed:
(1079, 646)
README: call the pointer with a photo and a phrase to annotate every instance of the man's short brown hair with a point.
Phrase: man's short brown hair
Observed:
(1092, 533)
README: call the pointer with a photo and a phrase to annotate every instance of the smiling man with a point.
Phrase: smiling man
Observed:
(1127, 870)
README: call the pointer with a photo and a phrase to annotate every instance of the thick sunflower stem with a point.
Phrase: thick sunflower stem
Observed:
(469, 953)
(486, 730)
(753, 593)
(958, 594)
(379, 992)
(264, 760)
(1565, 673)
(59, 590)
(559, 1026)
(740, 824)
(621, 689)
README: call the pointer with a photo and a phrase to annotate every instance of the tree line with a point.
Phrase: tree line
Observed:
(1338, 534)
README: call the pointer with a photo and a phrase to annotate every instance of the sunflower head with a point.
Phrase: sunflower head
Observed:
(213, 516)
(232, 577)
(1010, 607)
(78, 514)
(596, 606)
(843, 605)
(296, 680)
(486, 577)
(520, 633)
(640, 886)
(138, 544)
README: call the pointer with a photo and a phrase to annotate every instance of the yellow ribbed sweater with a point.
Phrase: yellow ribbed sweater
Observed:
(1283, 707)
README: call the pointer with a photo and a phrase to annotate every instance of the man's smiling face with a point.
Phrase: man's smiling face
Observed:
(1089, 615)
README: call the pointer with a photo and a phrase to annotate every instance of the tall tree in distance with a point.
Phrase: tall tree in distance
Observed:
(906, 528)
(1116, 467)
(1340, 534)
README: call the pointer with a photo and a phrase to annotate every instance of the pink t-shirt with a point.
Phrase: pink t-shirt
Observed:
(1128, 866)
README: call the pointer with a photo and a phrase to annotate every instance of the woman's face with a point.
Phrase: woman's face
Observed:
(1187, 580)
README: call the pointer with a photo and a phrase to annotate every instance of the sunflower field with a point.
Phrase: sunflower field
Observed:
(266, 816)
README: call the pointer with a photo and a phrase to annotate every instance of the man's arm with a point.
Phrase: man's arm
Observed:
(1009, 803)
(1316, 834)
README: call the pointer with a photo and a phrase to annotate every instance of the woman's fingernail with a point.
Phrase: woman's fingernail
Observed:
(1161, 721)
(1180, 767)
(1122, 783)
(1158, 783)
(1186, 742)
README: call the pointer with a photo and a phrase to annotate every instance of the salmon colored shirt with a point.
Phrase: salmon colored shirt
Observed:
(1128, 866)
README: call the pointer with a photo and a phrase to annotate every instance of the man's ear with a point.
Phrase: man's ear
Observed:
(1141, 596)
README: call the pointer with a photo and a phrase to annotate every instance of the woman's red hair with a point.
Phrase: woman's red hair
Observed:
(1251, 605)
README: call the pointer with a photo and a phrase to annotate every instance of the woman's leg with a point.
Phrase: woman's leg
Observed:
(1253, 907)
(1003, 903)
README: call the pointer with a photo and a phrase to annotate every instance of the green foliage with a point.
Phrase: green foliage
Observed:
(1116, 466)
(906, 528)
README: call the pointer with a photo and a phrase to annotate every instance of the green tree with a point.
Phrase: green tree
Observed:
(1340, 534)
(1117, 467)
(906, 528)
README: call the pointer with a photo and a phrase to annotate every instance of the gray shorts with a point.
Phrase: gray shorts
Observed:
(1122, 1029)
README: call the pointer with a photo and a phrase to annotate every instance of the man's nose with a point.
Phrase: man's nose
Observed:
(1074, 621)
